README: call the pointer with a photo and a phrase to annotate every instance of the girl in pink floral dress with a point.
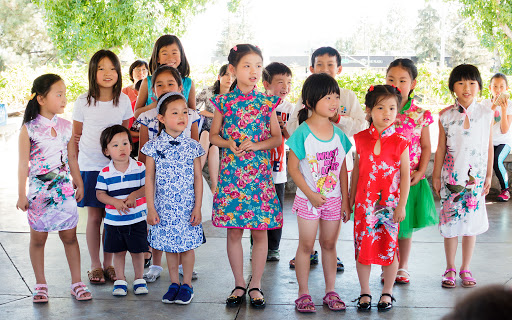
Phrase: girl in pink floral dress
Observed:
(245, 126)
(45, 143)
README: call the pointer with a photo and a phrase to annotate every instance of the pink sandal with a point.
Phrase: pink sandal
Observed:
(41, 292)
(331, 298)
(467, 279)
(78, 290)
(302, 306)
(448, 282)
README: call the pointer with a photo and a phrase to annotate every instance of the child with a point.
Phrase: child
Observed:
(317, 150)
(104, 105)
(349, 117)
(245, 125)
(501, 135)
(46, 143)
(168, 51)
(412, 122)
(174, 194)
(138, 71)
(206, 108)
(380, 186)
(277, 80)
(120, 187)
(463, 170)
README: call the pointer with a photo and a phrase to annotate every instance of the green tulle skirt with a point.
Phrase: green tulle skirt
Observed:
(420, 210)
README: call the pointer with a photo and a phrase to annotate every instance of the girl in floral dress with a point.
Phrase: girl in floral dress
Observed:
(245, 126)
(413, 123)
(45, 143)
(463, 170)
(381, 182)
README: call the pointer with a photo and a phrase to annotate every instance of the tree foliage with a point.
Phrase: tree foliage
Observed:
(428, 37)
(80, 27)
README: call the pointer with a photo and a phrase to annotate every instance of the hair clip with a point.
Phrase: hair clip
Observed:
(371, 88)
(165, 96)
(235, 48)
(30, 97)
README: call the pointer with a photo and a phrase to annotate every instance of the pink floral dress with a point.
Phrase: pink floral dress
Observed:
(52, 204)
(246, 197)
(463, 211)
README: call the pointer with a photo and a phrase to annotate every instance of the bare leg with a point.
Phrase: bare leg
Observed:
(172, 265)
(119, 261)
(468, 246)
(327, 238)
(72, 249)
(138, 264)
(259, 259)
(92, 234)
(187, 260)
(36, 250)
(389, 278)
(405, 251)
(157, 257)
(213, 166)
(363, 273)
(204, 140)
(450, 249)
(236, 257)
(307, 235)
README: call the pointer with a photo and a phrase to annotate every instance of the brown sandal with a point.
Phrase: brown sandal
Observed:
(96, 274)
(110, 274)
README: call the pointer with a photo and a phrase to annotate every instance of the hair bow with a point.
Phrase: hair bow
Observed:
(165, 96)
(30, 97)
(371, 88)
(235, 48)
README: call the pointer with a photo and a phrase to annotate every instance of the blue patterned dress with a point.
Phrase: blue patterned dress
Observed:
(246, 197)
(174, 192)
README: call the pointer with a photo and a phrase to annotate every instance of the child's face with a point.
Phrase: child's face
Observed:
(226, 80)
(55, 100)
(248, 71)
(326, 64)
(400, 78)
(498, 85)
(384, 113)
(327, 106)
(106, 76)
(466, 91)
(169, 55)
(119, 148)
(139, 73)
(175, 118)
(280, 85)
(166, 83)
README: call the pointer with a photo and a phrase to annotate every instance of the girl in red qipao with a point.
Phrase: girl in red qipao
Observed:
(381, 182)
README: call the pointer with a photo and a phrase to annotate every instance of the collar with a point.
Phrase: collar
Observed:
(466, 111)
(250, 93)
(407, 106)
(164, 136)
(385, 133)
(131, 167)
(48, 122)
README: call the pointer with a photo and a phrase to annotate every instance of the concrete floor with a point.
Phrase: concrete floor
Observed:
(423, 298)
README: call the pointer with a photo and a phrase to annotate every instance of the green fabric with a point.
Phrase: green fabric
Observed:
(406, 107)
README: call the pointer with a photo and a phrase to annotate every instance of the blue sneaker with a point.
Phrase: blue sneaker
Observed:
(185, 294)
(140, 287)
(172, 292)
(120, 288)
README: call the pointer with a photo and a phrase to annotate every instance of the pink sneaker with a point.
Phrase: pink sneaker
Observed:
(504, 196)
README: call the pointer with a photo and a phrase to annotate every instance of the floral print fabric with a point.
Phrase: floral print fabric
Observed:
(246, 197)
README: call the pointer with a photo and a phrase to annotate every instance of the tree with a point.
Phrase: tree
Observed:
(427, 35)
(80, 27)
(236, 29)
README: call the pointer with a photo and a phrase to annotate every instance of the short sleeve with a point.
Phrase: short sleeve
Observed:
(78, 110)
(143, 119)
(193, 115)
(149, 149)
(125, 103)
(357, 142)
(404, 143)
(345, 142)
(296, 142)
(427, 118)
(142, 174)
(217, 103)
(101, 183)
(197, 149)
(274, 100)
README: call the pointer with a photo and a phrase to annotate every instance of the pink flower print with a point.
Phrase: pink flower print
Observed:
(265, 206)
(452, 180)
(262, 226)
(67, 189)
(372, 220)
(257, 120)
(249, 214)
(236, 135)
(241, 184)
(265, 197)
(472, 202)
(257, 180)
(242, 123)
(239, 208)
(253, 171)
(234, 194)
(225, 218)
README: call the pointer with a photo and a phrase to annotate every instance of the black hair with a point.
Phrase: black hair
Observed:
(498, 75)
(330, 51)
(136, 64)
(464, 72)
(108, 134)
(216, 86)
(162, 69)
(94, 89)
(378, 93)
(163, 107)
(138, 84)
(167, 40)
(40, 87)
(238, 52)
(406, 64)
(315, 88)
(274, 69)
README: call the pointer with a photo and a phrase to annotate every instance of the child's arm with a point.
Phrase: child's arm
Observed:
(77, 133)
(282, 126)
(316, 199)
(273, 142)
(143, 138)
(490, 162)
(354, 180)
(425, 156)
(438, 160)
(345, 204)
(75, 170)
(153, 217)
(120, 204)
(220, 142)
(126, 124)
(131, 200)
(24, 158)
(194, 131)
(196, 217)
(505, 118)
(355, 120)
(143, 109)
(192, 96)
(142, 97)
(405, 184)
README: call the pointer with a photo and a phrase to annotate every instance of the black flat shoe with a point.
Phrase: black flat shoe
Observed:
(365, 306)
(233, 300)
(258, 303)
(385, 306)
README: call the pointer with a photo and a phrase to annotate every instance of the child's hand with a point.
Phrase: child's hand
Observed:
(77, 138)
(281, 123)
(121, 206)
(153, 217)
(317, 199)
(346, 210)
(248, 145)
(22, 203)
(236, 150)
(399, 214)
(79, 193)
(196, 218)
(416, 177)
(487, 186)
(130, 201)
(436, 184)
